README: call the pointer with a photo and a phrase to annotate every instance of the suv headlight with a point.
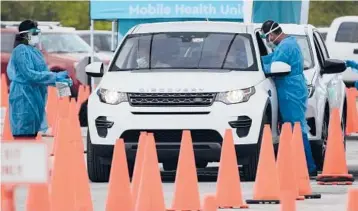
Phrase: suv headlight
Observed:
(235, 96)
(111, 97)
(311, 90)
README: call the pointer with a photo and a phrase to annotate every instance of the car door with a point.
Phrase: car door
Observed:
(332, 83)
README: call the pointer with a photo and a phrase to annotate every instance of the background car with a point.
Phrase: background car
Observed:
(102, 40)
(342, 43)
(208, 78)
(62, 50)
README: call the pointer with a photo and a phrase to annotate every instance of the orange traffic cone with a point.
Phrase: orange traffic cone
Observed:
(157, 195)
(119, 194)
(150, 194)
(228, 189)
(303, 179)
(352, 199)
(4, 91)
(285, 164)
(6, 133)
(352, 114)
(38, 198)
(335, 170)
(62, 114)
(186, 193)
(210, 203)
(76, 126)
(138, 165)
(266, 188)
(62, 193)
(7, 198)
(288, 202)
(82, 186)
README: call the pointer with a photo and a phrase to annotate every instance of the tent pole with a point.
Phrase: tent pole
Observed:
(92, 51)
(112, 38)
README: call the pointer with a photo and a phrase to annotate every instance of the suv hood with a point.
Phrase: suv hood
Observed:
(185, 81)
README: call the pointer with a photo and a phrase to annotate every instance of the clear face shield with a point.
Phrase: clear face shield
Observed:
(266, 36)
(33, 36)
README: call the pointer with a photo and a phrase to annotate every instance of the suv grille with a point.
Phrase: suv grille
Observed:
(171, 99)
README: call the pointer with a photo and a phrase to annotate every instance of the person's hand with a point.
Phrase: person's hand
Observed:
(61, 75)
(68, 81)
(350, 63)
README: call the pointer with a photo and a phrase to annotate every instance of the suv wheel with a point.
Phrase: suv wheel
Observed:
(97, 172)
(250, 169)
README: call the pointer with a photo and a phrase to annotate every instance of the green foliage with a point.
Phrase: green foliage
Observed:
(322, 13)
(69, 13)
(76, 13)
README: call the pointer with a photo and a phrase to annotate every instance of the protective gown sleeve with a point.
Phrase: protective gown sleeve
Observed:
(353, 65)
(278, 55)
(29, 73)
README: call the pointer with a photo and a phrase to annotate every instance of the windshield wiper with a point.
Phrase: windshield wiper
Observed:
(58, 52)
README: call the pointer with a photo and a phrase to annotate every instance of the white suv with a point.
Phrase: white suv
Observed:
(204, 77)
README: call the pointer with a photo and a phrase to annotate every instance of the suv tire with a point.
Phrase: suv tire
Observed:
(97, 172)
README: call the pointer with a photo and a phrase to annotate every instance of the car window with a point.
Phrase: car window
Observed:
(322, 45)
(101, 41)
(187, 50)
(347, 32)
(7, 42)
(306, 51)
(324, 35)
(64, 43)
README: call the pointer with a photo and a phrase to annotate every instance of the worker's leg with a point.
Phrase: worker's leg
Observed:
(309, 157)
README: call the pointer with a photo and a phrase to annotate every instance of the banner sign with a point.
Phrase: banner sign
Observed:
(166, 9)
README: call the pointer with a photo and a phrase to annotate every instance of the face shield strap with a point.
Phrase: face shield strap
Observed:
(33, 31)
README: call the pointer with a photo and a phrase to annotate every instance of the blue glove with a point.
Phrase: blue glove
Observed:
(68, 81)
(350, 63)
(61, 75)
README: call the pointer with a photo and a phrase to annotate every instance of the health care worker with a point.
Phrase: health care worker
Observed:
(354, 65)
(292, 90)
(29, 76)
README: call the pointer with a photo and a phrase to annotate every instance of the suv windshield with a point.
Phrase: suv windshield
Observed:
(7, 42)
(64, 43)
(186, 50)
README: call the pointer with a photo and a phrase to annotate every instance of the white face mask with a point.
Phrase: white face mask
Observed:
(34, 40)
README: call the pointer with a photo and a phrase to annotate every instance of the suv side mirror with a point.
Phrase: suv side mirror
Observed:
(95, 69)
(332, 66)
(279, 69)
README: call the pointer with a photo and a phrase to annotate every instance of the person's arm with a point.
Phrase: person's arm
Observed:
(22, 61)
(352, 64)
(280, 55)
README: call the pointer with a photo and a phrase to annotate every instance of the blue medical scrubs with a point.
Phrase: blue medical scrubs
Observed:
(292, 91)
(29, 76)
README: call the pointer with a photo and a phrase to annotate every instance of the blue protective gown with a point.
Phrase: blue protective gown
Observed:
(354, 66)
(29, 76)
(292, 91)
